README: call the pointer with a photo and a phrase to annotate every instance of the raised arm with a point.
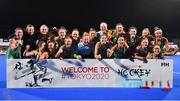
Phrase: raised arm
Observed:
(26, 53)
(172, 52)
(12, 44)
(59, 51)
(167, 45)
(112, 50)
(42, 56)
(96, 51)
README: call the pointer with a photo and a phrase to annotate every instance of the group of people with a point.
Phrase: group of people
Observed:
(103, 44)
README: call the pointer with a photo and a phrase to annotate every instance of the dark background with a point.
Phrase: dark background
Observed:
(84, 14)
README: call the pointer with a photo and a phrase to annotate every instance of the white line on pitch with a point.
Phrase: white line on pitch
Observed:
(176, 72)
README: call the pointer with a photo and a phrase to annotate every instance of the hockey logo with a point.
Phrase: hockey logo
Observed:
(39, 73)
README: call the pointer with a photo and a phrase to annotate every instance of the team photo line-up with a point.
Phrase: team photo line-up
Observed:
(103, 44)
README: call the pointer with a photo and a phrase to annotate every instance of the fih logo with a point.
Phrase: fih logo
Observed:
(164, 64)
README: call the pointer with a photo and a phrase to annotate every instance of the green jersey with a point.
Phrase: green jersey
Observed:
(152, 56)
(16, 53)
(161, 43)
(103, 49)
(120, 52)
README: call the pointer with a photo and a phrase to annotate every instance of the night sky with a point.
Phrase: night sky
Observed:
(83, 14)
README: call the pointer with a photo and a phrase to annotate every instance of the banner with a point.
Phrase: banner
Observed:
(27, 73)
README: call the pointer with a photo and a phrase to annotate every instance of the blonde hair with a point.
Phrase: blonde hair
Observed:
(103, 24)
(147, 29)
(29, 25)
(44, 26)
(86, 34)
